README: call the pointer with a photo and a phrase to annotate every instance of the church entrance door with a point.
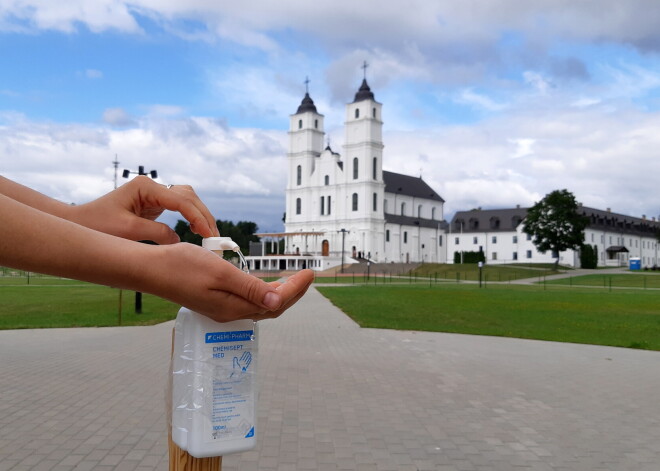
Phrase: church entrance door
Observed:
(325, 248)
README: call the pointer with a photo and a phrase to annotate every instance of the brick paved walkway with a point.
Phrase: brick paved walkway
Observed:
(337, 397)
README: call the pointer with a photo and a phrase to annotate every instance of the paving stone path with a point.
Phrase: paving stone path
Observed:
(337, 397)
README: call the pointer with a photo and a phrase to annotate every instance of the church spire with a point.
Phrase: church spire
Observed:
(364, 93)
(307, 103)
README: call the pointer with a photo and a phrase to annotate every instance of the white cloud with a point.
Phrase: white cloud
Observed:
(523, 147)
(583, 102)
(164, 110)
(536, 80)
(97, 15)
(93, 74)
(73, 163)
(117, 117)
(529, 144)
(470, 97)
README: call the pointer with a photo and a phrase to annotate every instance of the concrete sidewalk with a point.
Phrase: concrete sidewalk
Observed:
(337, 397)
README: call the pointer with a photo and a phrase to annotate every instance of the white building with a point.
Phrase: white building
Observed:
(498, 233)
(348, 201)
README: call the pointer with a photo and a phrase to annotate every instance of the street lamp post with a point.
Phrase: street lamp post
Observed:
(343, 236)
(115, 163)
(461, 242)
(153, 174)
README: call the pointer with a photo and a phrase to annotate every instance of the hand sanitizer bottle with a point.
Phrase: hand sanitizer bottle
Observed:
(214, 379)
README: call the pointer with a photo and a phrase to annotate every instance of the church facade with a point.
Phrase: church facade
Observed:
(345, 206)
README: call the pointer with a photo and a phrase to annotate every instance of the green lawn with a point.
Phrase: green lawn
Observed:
(628, 318)
(498, 273)
(620, 317)
(645, 280)
(75, 304)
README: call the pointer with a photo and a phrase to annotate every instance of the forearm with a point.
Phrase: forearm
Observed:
(33, 198)
(34, 240)
(183, 273)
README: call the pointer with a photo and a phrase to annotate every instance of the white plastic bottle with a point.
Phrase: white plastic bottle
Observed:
(214, 379)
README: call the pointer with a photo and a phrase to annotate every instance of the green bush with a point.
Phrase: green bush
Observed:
(589, 256)
(470, 257)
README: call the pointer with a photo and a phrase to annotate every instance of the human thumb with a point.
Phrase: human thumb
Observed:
(256, 291)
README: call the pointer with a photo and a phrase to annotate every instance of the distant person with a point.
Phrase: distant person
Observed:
(96, 242)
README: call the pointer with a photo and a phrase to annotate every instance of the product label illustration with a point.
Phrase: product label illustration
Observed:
(230, 355)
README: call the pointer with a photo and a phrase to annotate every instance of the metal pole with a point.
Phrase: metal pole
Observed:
(343, 236)
(153, 174)
(115, 163)
(138, 302)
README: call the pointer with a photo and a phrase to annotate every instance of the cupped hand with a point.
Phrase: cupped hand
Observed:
(130, 211)
(205, 283)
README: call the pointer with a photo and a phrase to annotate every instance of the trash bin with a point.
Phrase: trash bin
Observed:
(635, 263)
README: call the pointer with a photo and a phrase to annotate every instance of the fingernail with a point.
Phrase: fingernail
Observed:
(272, 300)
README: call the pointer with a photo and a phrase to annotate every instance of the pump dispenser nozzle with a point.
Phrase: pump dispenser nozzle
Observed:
(220, 243)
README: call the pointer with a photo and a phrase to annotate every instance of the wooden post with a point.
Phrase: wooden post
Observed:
(180, 460)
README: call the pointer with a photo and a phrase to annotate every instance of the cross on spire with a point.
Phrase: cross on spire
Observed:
(364, 67)
(306, 84)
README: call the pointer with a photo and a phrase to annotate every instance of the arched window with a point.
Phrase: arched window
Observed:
(298, 175)
(329, 205)
(355, 202)
(316, 124)
(419, 211)
(374, 169)
(357, 113)
(385, 205)
(327, 180)
(375, 203)
(298, 205)
(403, 209)
(300, 124)
(355, 168)
(433, 213)
(373, 112)
(322, 205)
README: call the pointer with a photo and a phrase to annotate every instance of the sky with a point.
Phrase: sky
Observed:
(495, 103)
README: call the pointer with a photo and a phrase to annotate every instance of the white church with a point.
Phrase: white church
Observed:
(344, 208)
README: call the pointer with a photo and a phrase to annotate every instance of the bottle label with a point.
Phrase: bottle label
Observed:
(231, 385)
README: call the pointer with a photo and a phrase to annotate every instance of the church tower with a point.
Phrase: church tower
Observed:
(363, 170)
(306, 137)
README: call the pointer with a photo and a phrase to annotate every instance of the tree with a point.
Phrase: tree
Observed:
(588, 256)
(469, 257)
(555, 224)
